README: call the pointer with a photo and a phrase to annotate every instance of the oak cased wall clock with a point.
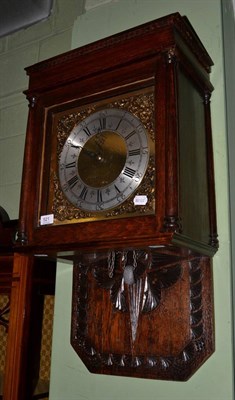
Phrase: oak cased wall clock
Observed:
(118, 176)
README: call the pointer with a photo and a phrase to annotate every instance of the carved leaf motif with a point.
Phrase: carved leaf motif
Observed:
(196, 290)
(197, 331)
(165, 362)
(104, 280)
(187, 354)
(164, 272)
(166, 277)
(118, 295)
(196, 276)
(152, 297)
(114, 284)
(195, 304)
(200, 344)
(158, 271)
(196, 317)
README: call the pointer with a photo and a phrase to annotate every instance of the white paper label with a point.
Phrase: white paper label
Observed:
(47, 219)
(140, 200)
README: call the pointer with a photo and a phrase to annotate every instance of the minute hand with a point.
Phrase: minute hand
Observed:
(88, 152)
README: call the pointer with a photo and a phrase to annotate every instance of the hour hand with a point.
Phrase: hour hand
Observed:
(85, 150)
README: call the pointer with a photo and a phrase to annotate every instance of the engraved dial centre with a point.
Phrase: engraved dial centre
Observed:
(102, 159)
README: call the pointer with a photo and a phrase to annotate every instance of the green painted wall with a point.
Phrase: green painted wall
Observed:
(17, 51)
(214, 381)
(228, 14)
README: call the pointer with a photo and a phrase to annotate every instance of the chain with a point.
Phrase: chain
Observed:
(134, 259)
(111, 263)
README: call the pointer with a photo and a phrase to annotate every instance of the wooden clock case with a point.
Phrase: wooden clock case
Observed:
(163, 330)
(167, 55)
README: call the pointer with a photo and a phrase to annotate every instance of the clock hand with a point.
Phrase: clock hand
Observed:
(85, 150)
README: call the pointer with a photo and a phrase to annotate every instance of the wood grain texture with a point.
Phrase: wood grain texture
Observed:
(167, 55)
(15, 379)
(174, 317)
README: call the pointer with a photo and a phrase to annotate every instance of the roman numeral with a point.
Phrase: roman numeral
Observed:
(102, 121)
(130, 135)
(135, 152)
(71, 165)
(83, 193)
(72, 182)
(118, 191)
(99, 196)
(129, 172)
(118, 124)
(86, 130)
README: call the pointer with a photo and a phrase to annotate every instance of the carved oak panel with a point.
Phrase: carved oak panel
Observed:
(128, 310)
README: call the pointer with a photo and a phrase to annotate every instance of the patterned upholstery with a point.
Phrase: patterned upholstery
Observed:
(47, 327)
(42, 388)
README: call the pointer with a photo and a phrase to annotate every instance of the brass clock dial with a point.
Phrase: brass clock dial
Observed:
(103, 164)
(104, 160)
